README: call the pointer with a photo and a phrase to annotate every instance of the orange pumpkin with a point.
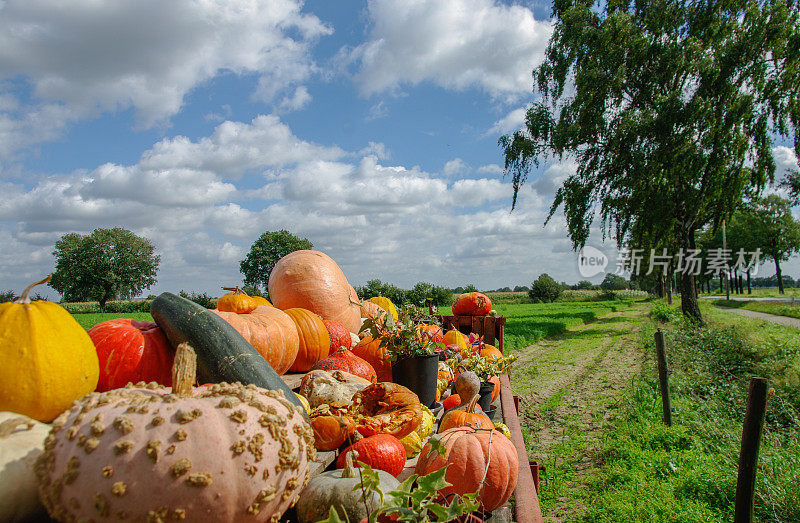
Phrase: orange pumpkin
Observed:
(431, 332)
(386, 408)
(346, 361)
(477, 460)
(490, 351)
(332, 425)
(260, 300)
(372, 310)
(340, 336)
(496, 389)
(315, 342)
(236, 301)
(472, 304)
(376, 356)
(312, 280)
(270, 331)
(466, 416)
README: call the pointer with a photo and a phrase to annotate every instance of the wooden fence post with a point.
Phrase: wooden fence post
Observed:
(663, 377)
(748, 455)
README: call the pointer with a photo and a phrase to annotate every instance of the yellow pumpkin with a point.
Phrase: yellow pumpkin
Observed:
(260, 300)
(48, 359)
(385, 304)
(426, 425)
(236, 301)
(453, 337)
(304, 401)
(412, 443)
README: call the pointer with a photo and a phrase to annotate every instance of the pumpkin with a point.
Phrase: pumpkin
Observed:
(225, 452)
(371, 351)
(346, 361)
(340, 336)
(432, 333)
(472, 304)
(48, 360)
(467, 384)
(236, 301)
(130, 351)
(454, 337)
(314, 339)
(321, 386)
(336, 488)
(477, 460)
(381, 451)
(490, 351)
(21, 442)
(223, 354)
(260, 300)
(372, 310)
(426, 425)
(502, 427)
(270, 331)
(444, 372)
(332, 426)
(496, 390)
(459, 417)
(385, 304)
(311, 280)
(412, 443)
(386, 408)
(452, 401)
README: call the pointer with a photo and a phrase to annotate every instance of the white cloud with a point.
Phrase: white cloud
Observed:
(513, 121)
(455, 44)
(299, 99)
(785, 161)
(84, 57)
(454, 167)
(490, 169)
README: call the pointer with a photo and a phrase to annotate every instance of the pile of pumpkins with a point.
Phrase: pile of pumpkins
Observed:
(94, 445)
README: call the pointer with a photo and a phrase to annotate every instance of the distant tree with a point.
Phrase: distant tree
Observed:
(423, 294)
(504, 289)
(545, 289)
(203, 299)
(669, 109)
(265, 253)
(470, 288)
(614, 282)
(521, 288)
(775, 231)
(107, 264)
(585, 285)
(8, 295)
(458, 290)
(378, 288)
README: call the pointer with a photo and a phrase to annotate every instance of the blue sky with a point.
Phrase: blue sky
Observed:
(368, 127)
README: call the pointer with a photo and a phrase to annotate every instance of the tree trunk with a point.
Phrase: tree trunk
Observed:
(749, 290)
(741, 287)
(721, 281)
(669, 285)
(689, 303)
(778, 273)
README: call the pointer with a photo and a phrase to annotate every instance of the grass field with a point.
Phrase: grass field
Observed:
(89, 320)
(762, 292)
(530, 322)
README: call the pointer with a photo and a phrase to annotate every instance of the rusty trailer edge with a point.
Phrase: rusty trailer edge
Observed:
(527, 509)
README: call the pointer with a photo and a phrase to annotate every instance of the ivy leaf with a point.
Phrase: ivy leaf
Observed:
(333, 517)
(370, 479)
(434, 481)
(437, 445)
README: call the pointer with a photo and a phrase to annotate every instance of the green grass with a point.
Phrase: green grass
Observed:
(762, 292)
(89, 320)
(687, 472)
(530, 322)
(777, 308)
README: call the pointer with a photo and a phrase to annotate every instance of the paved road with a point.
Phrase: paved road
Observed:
(750, 298)
(783, 320)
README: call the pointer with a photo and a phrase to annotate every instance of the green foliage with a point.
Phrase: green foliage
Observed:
(545, 289)
(421, 295)
(614, 282)
(671, 114)
(402, 338)
(470, 288)
(660, 311)
(584, 285)
(8, 295)
(485, 367)
(265, 253)
(201, 299)
(89, 320)
(103, 266)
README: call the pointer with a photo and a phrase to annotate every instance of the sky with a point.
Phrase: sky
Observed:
(369, 128)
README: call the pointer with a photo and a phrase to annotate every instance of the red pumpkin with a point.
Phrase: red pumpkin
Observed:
(340, 336)
(476, 459)
(376, 356)
(314, 339)
(472, 304)
(130, 351)
(452, 401)
(381, 451)
(432, 333)
(346, 361)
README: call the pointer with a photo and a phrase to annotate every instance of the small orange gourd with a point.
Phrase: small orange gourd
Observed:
(465, 417)
(236, 301)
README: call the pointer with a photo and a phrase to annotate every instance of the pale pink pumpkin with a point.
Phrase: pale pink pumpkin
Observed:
(224, 452)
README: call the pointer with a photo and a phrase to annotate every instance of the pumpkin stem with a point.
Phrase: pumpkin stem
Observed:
(349, 470)
(9, 425)
(25, 298)
(184, 370)
(471, 405)
(235, 290)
